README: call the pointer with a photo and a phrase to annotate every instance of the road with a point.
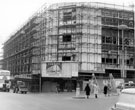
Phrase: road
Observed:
(53, 101)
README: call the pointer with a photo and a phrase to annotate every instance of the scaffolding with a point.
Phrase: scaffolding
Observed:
(86, 33)
(89, 33)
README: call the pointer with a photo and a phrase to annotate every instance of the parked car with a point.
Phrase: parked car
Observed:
(129, 85)
(22, 89)
(126, 100)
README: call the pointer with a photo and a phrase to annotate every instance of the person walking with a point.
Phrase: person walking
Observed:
(105, 90)
(109, 89)
(95, 90)
(87, 90)
(57, 88)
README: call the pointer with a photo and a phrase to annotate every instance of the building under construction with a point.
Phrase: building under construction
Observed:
(68, 42)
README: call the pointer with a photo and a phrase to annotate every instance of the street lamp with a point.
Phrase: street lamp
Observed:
(123, 27)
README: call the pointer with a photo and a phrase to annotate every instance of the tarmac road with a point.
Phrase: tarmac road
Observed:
(53, 101)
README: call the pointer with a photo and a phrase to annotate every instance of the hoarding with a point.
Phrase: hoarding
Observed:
(59, 69)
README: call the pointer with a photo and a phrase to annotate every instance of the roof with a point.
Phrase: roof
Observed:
(129, 90)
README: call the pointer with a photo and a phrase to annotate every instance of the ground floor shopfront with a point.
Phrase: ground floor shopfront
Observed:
(65, 76)
(83, 77)
(43, 84)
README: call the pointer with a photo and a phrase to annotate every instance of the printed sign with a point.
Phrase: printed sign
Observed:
(53, 68)
(59, 69)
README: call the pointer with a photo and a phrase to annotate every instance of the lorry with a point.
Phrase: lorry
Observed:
(5, 82)
(20, 87)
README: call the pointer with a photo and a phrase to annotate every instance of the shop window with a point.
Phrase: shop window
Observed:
(66, 38)
(66, 58)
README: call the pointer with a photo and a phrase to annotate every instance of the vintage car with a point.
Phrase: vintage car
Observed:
(129, 85)
(126, 100)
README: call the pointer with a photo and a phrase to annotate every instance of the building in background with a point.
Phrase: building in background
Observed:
(22, 54)
(1, 64)
(1, 60)
(65, 43)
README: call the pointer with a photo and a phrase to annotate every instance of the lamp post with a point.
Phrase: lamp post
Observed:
(122, 28)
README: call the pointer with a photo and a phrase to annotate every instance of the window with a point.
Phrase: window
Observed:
(128, 62)
(120, 40)
(115, 61)
(126, 41)
(108, 39)
(109, 60)
(103, 60)
(67, 16)
(114, 40)
(66, 58)
(103, 39)
(66, 38)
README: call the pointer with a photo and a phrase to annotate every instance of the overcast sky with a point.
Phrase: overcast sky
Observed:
(14, 13)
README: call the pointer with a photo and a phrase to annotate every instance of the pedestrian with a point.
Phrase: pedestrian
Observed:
(109, 89)
(95, 87)
(105, 90)
(87, 90)
(16, 88)
(57, 88)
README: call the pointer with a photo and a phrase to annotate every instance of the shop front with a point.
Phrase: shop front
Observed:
(59, 76)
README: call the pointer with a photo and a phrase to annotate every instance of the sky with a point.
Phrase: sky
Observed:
(14, 13)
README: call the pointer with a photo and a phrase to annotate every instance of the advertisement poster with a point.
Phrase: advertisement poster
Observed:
(59, 69)
(53, 68)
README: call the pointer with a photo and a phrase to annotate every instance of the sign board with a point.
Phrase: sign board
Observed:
(59, 69)
(4, 73)
(25, 76)
(53, 68)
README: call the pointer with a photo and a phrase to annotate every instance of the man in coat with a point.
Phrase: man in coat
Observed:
(87, 90)
(105, 90)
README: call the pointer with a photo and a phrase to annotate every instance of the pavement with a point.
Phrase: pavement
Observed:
(55, 101)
